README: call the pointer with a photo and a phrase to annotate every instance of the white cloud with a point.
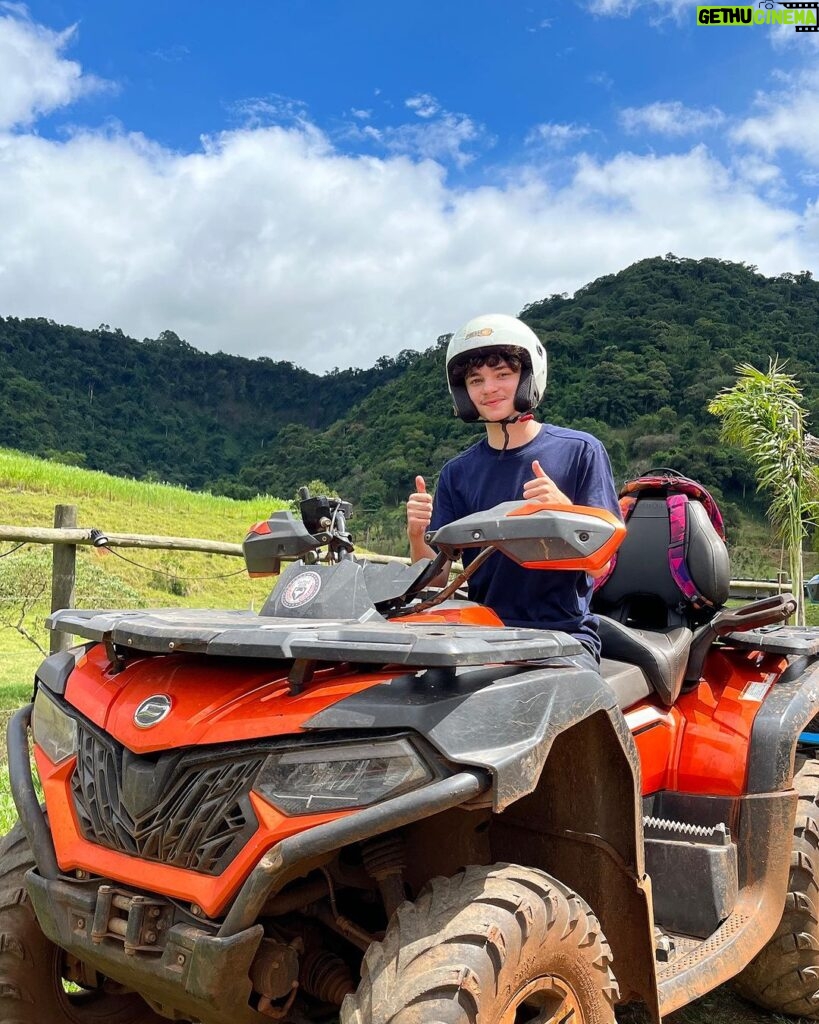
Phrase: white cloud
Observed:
(759, 172)
(263, 111)
(36, 77)
(602, 79)
(172, 54)
(670, 118)
(447, 138)
(438, 134)
(556, 136)
(785, 37)
(787, 118)
(271, 241)
(423, 105)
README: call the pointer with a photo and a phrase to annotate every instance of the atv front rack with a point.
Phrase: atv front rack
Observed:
(239, 634)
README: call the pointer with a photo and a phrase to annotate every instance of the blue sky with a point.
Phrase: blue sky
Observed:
(330, 182)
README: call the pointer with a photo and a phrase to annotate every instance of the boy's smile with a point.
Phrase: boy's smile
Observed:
(492, 390)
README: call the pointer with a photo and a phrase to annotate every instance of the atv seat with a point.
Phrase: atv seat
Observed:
(672, 659)
(662, 656)
(645, 619)
(642, 592)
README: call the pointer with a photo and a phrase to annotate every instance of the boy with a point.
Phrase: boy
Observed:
(496, 373)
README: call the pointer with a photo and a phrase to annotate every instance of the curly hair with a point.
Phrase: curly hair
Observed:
(490, 356)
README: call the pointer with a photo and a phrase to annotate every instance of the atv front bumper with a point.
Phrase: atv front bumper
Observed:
(198, 971)
(195, 973)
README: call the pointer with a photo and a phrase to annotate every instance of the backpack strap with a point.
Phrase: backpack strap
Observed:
(678, 525)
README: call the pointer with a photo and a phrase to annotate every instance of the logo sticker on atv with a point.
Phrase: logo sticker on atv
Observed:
(301, 590)
(152, 711)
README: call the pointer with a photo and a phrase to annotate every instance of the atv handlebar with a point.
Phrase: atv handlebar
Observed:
(537, 535)
(534, 534)
(323, 522)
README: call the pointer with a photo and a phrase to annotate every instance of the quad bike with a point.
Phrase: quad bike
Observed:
(375, 801)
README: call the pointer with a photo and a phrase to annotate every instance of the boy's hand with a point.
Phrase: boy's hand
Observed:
(543, 488)
(419, 510)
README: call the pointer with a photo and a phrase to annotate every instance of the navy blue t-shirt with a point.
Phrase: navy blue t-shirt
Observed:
(479, 478)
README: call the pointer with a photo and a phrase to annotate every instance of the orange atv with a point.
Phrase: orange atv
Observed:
(377, 802)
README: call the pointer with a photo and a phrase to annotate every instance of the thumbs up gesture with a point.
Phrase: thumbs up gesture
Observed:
(542, 488)
(419, 510)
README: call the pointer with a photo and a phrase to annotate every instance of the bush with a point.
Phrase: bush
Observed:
(25, 589)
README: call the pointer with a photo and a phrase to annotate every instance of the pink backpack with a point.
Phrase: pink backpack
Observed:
(678, 490)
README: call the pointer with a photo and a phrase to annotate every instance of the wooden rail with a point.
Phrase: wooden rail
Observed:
(73, 537)
(62, 535)
(747, 590)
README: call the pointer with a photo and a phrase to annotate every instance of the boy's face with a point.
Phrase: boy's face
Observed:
(492, 390)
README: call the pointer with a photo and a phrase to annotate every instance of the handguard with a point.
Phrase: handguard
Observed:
(537, 535)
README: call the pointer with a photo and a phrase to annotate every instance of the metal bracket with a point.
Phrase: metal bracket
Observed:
(301, 674)
(136, 921)
(115, 659)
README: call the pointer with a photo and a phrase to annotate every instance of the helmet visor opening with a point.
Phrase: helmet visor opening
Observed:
(492, 356)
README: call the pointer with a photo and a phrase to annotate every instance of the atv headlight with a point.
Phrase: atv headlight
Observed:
(310, 780)
(53, 730)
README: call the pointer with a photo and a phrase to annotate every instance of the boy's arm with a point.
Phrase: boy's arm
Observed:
(419, 516)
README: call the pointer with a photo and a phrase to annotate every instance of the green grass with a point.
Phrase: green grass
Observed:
(26, 474)
(30, 488)
(18, 660)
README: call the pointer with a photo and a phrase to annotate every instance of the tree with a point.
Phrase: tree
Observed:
(762, 414)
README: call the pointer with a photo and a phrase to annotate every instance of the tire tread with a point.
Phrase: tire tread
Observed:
(443, 954)
(784, 975)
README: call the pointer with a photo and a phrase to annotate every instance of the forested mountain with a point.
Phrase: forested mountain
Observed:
(633, 357)
(157, 408)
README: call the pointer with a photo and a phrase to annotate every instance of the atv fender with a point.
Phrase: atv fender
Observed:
(791, 704)
(566, 791)
(502, 718)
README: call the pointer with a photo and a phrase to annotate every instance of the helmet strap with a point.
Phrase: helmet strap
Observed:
(505, 428)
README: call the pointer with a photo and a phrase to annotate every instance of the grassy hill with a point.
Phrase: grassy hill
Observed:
(30, 488)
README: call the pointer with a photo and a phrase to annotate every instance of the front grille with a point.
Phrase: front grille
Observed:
(190, 810)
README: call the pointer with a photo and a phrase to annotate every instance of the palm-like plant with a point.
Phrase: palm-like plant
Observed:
(762, 414)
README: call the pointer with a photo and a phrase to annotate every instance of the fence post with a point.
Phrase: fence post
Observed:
(63, 573)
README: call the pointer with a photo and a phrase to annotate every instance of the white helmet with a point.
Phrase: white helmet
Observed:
(490, 333)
